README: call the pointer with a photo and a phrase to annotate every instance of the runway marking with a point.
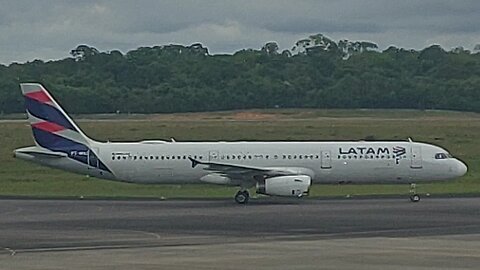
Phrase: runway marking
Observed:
(79, 248)
(156, 235)
(11, 251)
(86, 248)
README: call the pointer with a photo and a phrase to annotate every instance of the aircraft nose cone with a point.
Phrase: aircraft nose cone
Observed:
(461, 168)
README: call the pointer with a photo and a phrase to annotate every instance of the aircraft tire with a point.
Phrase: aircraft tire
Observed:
(242, 197)
(415, 198)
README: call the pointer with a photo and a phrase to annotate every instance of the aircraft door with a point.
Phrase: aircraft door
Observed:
(326, 160)
(416, 157)
(213, 155)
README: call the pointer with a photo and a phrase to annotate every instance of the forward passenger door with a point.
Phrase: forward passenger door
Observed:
(416, 157)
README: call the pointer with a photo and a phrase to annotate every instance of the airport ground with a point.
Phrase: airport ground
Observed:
(437, 233)
(162, 232)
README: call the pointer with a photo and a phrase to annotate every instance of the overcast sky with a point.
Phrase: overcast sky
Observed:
(47, 29)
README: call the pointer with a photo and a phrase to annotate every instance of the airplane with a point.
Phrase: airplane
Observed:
(282, 168)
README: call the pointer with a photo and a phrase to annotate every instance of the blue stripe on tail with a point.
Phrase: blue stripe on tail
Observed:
(74, 150)
(48, 113)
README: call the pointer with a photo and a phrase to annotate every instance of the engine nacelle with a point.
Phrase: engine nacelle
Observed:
(288, 186)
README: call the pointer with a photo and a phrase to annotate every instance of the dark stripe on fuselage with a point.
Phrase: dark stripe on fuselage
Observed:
(74, 150)
(48, 113)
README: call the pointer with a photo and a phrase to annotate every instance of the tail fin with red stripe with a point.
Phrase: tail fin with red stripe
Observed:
(52, 128)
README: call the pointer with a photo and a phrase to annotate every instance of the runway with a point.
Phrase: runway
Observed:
(436, 233)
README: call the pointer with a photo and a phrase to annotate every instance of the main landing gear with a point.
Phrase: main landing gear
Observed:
(414, 197)
(242, 196)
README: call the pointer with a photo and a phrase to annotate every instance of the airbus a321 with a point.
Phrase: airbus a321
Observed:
(274, 168)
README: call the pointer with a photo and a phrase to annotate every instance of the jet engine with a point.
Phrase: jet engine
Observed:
(288, 186)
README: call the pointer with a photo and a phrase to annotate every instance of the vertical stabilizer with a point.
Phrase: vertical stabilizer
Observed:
(52, 128)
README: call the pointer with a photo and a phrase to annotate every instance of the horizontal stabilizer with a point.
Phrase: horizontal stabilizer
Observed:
(38, 152)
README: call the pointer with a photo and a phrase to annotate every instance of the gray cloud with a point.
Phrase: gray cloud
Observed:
(49, 29)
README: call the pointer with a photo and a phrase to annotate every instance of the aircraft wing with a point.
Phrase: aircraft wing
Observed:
(235, 171)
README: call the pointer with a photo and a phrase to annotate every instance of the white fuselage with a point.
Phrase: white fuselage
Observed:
(325, 162)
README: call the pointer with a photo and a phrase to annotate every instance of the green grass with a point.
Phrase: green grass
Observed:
(458, 132)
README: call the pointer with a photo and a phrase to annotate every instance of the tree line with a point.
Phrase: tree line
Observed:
(316, 73)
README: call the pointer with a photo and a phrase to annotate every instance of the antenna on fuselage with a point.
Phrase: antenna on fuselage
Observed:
(410, 139)
(172, 139)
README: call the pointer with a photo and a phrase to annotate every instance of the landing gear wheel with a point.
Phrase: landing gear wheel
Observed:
(242, 196)
(415, 198)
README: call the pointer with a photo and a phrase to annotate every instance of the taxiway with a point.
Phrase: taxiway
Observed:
(440, 233)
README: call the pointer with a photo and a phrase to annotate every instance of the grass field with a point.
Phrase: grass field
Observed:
(458, 132)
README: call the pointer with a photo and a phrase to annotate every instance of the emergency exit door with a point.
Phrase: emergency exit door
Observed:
(326, 160)
(213, 155)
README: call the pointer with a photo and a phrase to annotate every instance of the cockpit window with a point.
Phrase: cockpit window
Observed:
(441, 156)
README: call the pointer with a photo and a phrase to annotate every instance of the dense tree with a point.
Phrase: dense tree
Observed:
(316, 73)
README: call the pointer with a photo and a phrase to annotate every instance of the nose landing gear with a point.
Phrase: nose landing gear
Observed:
(414, 197)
